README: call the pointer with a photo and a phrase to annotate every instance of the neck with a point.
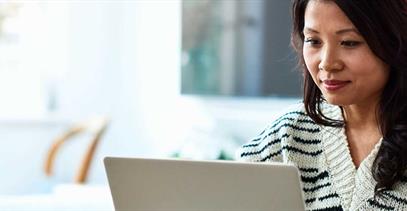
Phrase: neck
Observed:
(361, 116)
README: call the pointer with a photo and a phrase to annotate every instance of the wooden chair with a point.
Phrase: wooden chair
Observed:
(96, 126)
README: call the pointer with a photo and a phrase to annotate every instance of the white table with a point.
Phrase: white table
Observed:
(63, 198)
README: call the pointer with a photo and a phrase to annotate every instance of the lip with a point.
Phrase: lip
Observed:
(334, 85)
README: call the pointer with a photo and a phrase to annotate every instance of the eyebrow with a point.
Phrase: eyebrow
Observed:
(342, 31)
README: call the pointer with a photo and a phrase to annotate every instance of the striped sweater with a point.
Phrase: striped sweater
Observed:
(329, 177)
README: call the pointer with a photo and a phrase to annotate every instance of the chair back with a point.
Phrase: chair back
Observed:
(96, 126)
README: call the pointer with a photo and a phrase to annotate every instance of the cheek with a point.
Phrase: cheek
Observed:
(311, 64)
(369, 68)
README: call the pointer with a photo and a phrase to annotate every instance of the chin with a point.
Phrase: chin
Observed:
(339, 101)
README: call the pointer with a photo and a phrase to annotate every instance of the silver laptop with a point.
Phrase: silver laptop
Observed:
(186, 185)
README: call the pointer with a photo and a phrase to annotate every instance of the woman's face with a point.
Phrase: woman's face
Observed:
(339, 59)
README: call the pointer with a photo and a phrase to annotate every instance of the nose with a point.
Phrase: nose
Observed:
(330, 60)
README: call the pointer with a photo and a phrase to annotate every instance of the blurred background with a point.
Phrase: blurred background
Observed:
(82, 80)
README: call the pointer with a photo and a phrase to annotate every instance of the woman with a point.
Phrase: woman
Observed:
(349, 137)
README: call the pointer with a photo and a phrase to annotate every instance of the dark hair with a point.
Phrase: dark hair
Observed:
(383, 24)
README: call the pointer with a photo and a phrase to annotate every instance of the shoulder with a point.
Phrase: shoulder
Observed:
(292, 127)
(389, 200)
(293, 121)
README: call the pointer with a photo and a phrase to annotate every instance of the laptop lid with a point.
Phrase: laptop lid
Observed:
(170, 184)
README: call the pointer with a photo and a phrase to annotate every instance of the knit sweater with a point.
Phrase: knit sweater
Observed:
(330, 180)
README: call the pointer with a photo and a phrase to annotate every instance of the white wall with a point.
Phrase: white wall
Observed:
(123, 61)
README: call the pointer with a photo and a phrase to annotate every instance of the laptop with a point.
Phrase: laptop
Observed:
(189, 185)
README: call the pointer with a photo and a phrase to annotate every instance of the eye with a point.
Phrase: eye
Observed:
(312, 41)
(350, 43)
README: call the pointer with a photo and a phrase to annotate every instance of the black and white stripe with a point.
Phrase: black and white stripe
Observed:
(296, 139)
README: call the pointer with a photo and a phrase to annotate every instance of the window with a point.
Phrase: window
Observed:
(238, 48)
